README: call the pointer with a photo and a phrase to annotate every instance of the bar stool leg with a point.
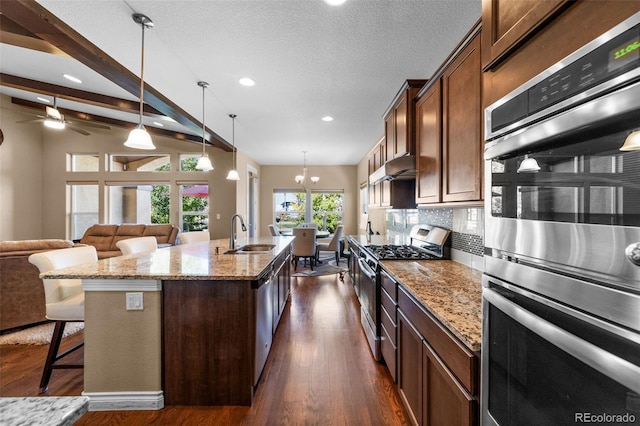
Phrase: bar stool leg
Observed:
(52, 354)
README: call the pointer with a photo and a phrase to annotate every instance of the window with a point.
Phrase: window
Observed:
(138, 203)
(83, 208)
(327, 209)
(83, 162)
(289, 209)
(188, 162)
(139, 162)
(194, 207)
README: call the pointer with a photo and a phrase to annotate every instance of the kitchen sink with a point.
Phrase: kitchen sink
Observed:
(252, 249)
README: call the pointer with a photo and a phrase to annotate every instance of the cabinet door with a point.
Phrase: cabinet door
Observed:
(445, 402)
(410, 368)
(428, 146)
(390, 133)
(462, 127)
(374, 195)
(401, 113)
(506, 24)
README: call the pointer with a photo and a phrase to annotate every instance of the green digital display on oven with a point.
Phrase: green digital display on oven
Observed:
(624, 54)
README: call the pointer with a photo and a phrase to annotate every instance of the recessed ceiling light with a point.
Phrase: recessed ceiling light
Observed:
(327, 118)
(43, 99)
(334, 2)
(158, 124)
(72, 78)
(246, 81)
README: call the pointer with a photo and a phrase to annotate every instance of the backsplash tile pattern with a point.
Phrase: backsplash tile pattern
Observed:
(466, 224)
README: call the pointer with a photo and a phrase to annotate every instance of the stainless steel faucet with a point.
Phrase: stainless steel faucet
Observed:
(232, 236)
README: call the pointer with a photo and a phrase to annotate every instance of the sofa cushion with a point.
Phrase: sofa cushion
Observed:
(16, 248)
(126, 231)
(100, 236)
(165, 234)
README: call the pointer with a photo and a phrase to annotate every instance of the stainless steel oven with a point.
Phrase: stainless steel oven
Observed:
(561, 290)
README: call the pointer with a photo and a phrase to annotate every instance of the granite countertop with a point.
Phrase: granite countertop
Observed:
(197, 261)
(47, 410)
(450, 291)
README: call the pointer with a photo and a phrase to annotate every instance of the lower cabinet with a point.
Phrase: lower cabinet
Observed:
(281, 286)
(438, 378)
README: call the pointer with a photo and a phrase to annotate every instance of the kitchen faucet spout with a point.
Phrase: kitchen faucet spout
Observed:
(232, 236)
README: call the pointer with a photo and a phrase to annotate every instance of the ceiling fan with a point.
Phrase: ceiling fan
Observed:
(54, 119)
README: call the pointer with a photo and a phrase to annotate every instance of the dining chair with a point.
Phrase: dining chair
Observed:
(138, 245)
(194, 237)
(274, 231)
(304, 246)
(331, 244)
(64, 300)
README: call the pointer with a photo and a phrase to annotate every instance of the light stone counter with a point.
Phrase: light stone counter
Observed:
(197, 261)
(450, 291)
(50, 411)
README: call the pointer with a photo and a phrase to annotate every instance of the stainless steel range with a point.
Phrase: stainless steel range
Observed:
(425, 242)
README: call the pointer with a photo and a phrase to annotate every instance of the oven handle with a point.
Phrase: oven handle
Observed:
(618, 369)
(366, 269)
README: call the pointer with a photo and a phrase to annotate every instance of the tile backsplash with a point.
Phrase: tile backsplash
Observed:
(466, 225)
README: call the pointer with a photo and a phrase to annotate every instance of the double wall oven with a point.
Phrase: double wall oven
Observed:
(561, 286)
(425, 242)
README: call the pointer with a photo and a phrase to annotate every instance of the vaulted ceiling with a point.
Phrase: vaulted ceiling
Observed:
(309, 60)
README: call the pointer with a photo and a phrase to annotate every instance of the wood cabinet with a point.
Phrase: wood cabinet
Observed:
(399, 128)
(389, 322)
(438, 377)
(507, 24)
(449, 130)
(375, 161)
(429, 146)
(462, 140)
(281, 285)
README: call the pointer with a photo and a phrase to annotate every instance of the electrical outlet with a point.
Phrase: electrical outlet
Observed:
(218, 216)
(135, 302)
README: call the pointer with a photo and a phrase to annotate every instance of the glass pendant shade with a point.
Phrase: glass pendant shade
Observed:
(204, 163)
(632, 143)
(233, 175)
(528, 165)
(139, 139)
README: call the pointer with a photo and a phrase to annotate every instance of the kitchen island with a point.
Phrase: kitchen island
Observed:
(185, 325)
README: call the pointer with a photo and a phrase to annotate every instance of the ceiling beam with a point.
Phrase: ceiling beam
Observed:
(46, 26)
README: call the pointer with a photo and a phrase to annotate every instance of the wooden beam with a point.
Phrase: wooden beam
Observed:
(46, 26)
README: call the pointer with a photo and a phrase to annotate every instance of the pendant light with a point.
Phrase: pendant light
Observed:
(529, 164)
(632, 143)
(138, 137)
(233, 173)
(302, 179)
(204, 163)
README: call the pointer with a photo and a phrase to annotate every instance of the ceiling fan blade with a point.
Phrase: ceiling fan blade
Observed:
(32, 120)
(77, 129)
(54, 113)
(84, 123)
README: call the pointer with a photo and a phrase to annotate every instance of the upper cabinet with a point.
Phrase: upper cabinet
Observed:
(399, 118)
(448, 124)
(507, 24)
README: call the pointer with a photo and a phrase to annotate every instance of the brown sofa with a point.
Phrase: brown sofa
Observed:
(105, 237)
(21, 290)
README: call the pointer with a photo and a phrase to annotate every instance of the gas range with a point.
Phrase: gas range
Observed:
(426, 242)
(397, 252)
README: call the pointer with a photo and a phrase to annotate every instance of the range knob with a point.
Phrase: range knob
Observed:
(633, 253)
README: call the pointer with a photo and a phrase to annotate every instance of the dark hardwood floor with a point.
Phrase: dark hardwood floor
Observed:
(320, 371)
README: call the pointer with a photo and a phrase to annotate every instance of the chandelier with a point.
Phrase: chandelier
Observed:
(302, 179)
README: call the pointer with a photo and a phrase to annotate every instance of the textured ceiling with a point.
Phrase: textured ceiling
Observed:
(308, 60)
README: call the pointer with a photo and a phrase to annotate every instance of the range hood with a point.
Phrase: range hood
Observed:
(397, 168)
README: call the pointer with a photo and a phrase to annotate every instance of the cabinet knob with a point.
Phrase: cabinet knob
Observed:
(633, 253)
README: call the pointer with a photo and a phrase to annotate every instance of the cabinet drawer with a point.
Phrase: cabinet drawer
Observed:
(459, 359)
(389, 305)
(389, 352)
(389, 323)
(389, 285)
